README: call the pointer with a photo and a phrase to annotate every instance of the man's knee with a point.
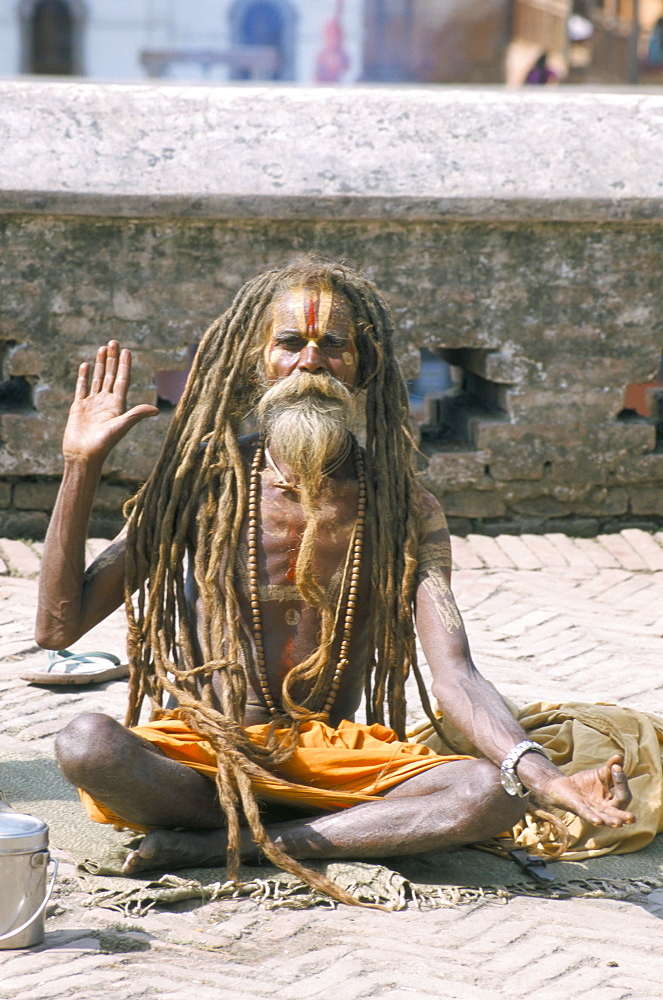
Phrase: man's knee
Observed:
(87, 743)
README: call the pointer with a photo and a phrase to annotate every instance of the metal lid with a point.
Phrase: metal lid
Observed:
(20, 832)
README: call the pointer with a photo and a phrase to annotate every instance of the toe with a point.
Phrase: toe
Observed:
(131, 862)
(140, 858)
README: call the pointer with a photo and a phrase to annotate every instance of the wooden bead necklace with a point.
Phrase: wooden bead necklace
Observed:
(355, 551)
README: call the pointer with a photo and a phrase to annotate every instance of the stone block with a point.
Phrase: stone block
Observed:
(31, 444)
(579, 527)
(525, 489)
(521, 463)
(569, 475)
(570, 492)
(110, 499)
(5, 495)
(23, 359)
(23, 524)
(582, 405)
(541, 506)
(635, 436)
(127, 306)
(584, 447)
(603, 502)
(161, 359)
(134, 457)
(10, 329)
(638, 469)
(472, 504)
(459, 468)
(492, 435)
(568, 371)
(524, 453)
(78, 330)
(647, 499)
(35, 496)
(55, 400)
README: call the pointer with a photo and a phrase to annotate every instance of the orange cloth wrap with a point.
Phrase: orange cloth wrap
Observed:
(332, 768)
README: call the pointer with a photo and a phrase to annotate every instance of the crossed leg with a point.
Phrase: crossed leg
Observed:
(457, 803)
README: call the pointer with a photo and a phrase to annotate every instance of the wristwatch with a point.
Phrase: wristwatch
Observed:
(510, 780)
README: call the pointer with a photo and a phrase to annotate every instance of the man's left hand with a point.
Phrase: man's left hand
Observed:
(599, 795)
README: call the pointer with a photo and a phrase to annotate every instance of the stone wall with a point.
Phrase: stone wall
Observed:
(518, 235)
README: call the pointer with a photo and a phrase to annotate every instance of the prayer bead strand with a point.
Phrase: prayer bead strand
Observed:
(356, 550)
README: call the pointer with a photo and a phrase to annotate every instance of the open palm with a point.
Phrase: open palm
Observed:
(599, 795)
(98, 417)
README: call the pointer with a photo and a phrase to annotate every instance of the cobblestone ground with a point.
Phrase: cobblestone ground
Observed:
(548, 617)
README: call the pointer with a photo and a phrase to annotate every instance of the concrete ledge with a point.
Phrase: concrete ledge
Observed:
(411, 154)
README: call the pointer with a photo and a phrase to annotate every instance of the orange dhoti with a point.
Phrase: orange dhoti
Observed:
(330, 768)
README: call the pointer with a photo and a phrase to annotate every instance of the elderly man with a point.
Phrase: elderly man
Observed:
(270, 581)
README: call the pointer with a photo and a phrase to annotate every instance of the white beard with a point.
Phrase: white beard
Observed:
(307, 418)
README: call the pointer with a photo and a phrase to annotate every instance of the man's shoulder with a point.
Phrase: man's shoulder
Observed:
(431, 515)
(434, 555)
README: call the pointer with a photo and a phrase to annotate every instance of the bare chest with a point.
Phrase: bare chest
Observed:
(290, 626)
(281, 533)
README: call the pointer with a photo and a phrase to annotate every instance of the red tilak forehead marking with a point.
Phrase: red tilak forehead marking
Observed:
(310, 316)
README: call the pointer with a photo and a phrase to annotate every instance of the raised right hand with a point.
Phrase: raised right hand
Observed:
(97, 418)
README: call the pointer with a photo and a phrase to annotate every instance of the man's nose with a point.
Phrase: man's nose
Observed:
(312, 359)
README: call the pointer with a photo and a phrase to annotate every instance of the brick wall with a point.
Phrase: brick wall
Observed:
(516, 235)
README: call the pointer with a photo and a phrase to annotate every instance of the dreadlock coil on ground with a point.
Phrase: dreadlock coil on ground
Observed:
(198, 489)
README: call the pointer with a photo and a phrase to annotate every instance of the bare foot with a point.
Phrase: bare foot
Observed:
(166, 849)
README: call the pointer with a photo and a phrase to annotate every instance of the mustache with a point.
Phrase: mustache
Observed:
(322, 386)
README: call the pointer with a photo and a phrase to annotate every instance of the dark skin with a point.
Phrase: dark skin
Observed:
(455, 803)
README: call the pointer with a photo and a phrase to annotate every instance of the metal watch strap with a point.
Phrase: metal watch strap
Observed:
(508, 777)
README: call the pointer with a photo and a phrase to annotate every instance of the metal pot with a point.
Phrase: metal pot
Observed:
(24, 858)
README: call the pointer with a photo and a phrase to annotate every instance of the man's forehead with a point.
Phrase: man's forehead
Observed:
(305, 308)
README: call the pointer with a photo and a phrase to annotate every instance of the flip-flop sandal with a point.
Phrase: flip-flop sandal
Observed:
(65, 667)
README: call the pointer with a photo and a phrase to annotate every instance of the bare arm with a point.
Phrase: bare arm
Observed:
(71, 600)
(476, 709)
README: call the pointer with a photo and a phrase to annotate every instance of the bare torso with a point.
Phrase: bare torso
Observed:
(290, 627)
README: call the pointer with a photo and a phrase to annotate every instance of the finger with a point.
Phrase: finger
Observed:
(617, 819)
(621, 793)
(614, 818)
(137, 413)
(605, 771)
(112, 354)
(123, 377)
(99, 369)
(80, 391)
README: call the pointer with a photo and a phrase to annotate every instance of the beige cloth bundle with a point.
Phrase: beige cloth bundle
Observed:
(579, 736)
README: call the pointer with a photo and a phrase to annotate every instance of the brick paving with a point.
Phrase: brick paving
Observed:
(580, 619)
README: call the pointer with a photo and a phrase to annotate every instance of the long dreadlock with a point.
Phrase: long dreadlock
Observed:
(198, 489)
